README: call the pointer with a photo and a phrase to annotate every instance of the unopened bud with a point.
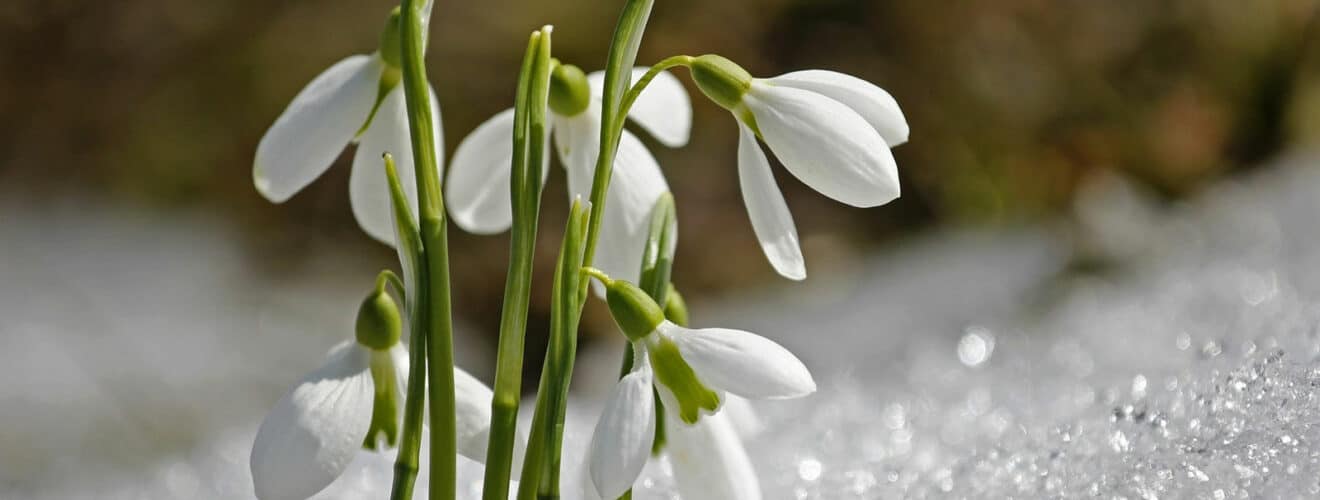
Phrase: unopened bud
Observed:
(378, 323)
(569, 91)
(722, 80)
(634, 311)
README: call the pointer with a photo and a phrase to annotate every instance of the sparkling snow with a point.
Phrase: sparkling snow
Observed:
(1138, 352)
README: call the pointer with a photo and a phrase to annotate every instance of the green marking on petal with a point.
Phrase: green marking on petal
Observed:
(384, 426)
(672, 371)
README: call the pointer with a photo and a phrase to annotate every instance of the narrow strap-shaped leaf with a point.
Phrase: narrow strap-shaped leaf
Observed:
(528, 155)
(541, 468)
(410, 259)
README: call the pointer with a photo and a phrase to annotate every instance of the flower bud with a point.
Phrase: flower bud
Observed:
(569, 91)
(378, 323)
(635, 312)
(675, 307)
(722, 80)
(391, 40)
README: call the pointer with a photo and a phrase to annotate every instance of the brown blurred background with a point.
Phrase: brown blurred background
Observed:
(1013, 105)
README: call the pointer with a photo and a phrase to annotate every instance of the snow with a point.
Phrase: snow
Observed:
(1140, 351)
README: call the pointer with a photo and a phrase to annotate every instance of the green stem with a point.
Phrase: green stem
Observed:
(618, 78)
(435, 239)
(636, 90)
(387, 277)
(528, 158)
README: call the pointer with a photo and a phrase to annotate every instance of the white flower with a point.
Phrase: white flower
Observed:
(693, 370)
(709, 461)
(830, 130)
(477, 193)
(329, 114)
(314, 431)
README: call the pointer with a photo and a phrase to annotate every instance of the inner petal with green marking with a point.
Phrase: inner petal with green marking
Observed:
(672, 371)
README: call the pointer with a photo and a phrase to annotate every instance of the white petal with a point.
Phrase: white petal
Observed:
(313, 432)
(742, 363)
(368, 189)
(316, 126)
(710, 462)
(472, 410)
(872, 102)
(825, 144)
(577, 140)
(622, 440)
(771, 220)
(635, 185)
(663, 109)
(477, 191)
(742, 416)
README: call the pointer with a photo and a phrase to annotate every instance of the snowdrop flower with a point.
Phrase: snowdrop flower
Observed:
(693, 370)
(358, 100)
(477, 192)
(353, 401)
(830, 130)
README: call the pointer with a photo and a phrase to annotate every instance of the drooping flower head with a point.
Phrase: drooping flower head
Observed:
(830, 130)
(477, 193)
(352, 401)
(693, 370)
(358, 100)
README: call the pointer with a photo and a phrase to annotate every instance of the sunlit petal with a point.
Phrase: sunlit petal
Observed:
(872, 102)
(742, 416)
(368, 188)
(621, 442)
(709, 460)
(742, 363)
(635, 186)
(825, 144)
(315, 429)
(477, 191)
(472, 412)
(577, 140)
(771, 220)
(316, 126)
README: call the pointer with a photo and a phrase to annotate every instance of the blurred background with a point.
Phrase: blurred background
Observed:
(148, 112)
(1014, 106)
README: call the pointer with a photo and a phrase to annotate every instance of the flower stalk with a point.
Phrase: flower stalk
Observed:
(618, 77)
(437, 320)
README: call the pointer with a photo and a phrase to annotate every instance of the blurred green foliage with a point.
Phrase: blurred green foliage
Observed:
(1013, 104)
